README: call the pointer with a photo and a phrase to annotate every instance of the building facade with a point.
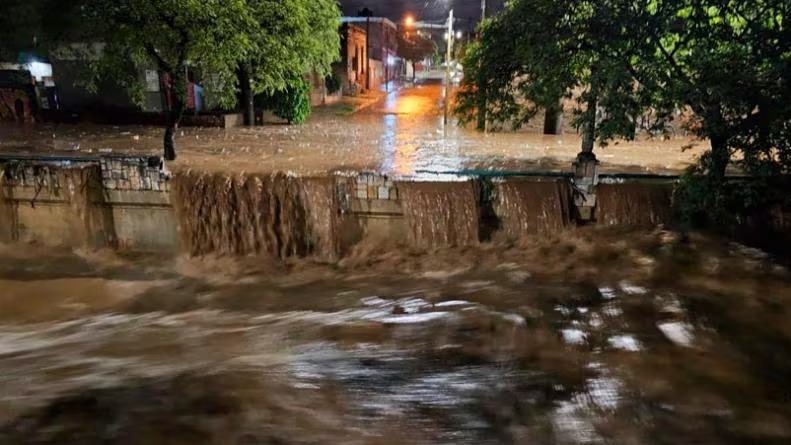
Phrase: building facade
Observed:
(378, 51)
(350, 69)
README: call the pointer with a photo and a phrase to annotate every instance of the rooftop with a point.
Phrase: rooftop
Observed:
(382, 20)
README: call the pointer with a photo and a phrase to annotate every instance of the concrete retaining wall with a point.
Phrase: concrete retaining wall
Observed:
(128, 205)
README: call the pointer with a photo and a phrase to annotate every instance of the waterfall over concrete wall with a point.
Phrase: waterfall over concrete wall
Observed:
(323, 213)
(528, 207)
(90, 220)
(276, 214)
(440, 214)
(633, 204)
(245, 215)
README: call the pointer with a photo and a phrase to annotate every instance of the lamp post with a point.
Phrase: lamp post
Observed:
(448, 56)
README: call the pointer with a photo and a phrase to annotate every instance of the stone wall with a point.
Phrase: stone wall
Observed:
(129, 204)
(133, 173)
(108, 201)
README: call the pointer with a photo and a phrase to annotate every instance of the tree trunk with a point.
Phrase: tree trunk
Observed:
(720, 156)
(481, 105)
(481, 124)
(178, 91)
(589, 132)
(552, 119)
(246, 98)
(414, 73)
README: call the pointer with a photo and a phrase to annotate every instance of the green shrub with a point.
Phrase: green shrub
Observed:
(333, 83)
(292, 103)
(704, 201)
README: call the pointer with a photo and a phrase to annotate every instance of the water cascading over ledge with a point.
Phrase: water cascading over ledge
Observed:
(441, 214)
(529, 207)
(91, 219)
(634, 204)
(274, 215)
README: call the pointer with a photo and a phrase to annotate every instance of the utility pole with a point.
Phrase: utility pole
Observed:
(448, 56)
(483, 10)
(367, 13)
(368, 51)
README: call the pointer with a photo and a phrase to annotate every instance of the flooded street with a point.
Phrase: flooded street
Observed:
(401, 135)
(593, 336)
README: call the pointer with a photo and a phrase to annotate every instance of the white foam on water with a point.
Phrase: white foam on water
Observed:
(632, 289)
(625, 342)
(451, 303)
(678, 332)
(413, 305)
(563, 310)
(574, 336)
(595, 321)
(572, 425)
(375, 301)
(607, 293)
(603, 390)
(414, 318)
(612, 311)
(515, 319)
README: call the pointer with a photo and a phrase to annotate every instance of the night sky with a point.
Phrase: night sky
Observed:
(396, 10)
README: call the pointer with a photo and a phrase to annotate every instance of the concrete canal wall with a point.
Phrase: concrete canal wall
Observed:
(124, 202)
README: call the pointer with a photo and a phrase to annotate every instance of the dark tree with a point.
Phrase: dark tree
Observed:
(727, 61)
(415, 47)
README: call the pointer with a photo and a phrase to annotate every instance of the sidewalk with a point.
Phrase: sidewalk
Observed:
(349, 105)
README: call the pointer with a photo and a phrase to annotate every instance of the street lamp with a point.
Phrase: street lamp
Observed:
(449, 35)
(448, 56)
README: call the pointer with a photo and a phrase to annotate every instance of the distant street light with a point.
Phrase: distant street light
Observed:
(458, 35)
(409, 21)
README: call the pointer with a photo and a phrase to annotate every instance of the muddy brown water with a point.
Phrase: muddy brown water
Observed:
(586, 336)
(402, 135)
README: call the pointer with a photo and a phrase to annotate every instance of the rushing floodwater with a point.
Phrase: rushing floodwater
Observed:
(400, 136)
(589, 337)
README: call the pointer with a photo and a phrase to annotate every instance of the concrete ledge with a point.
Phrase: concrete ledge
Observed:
(371, 207)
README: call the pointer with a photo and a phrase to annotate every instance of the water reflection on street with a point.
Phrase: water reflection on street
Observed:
(591, 337)
(401, 135)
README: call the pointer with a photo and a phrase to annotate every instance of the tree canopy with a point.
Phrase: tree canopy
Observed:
(415, 47)
(273, 42)
(727, 61)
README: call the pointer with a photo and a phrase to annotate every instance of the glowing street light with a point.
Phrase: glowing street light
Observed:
(409, 21)
(458, 35)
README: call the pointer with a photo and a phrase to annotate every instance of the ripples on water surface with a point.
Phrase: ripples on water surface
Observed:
(596, 337)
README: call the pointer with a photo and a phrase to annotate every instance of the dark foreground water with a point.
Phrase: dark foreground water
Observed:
(586, 337)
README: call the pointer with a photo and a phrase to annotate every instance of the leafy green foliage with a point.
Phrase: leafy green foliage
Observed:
(727, 61)
(730, 63)
(539, 51)
(176, 35)
(415, 47)
(750, 209)
(275, 40)
(293, 102)
(292, 38)
(333, 83)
